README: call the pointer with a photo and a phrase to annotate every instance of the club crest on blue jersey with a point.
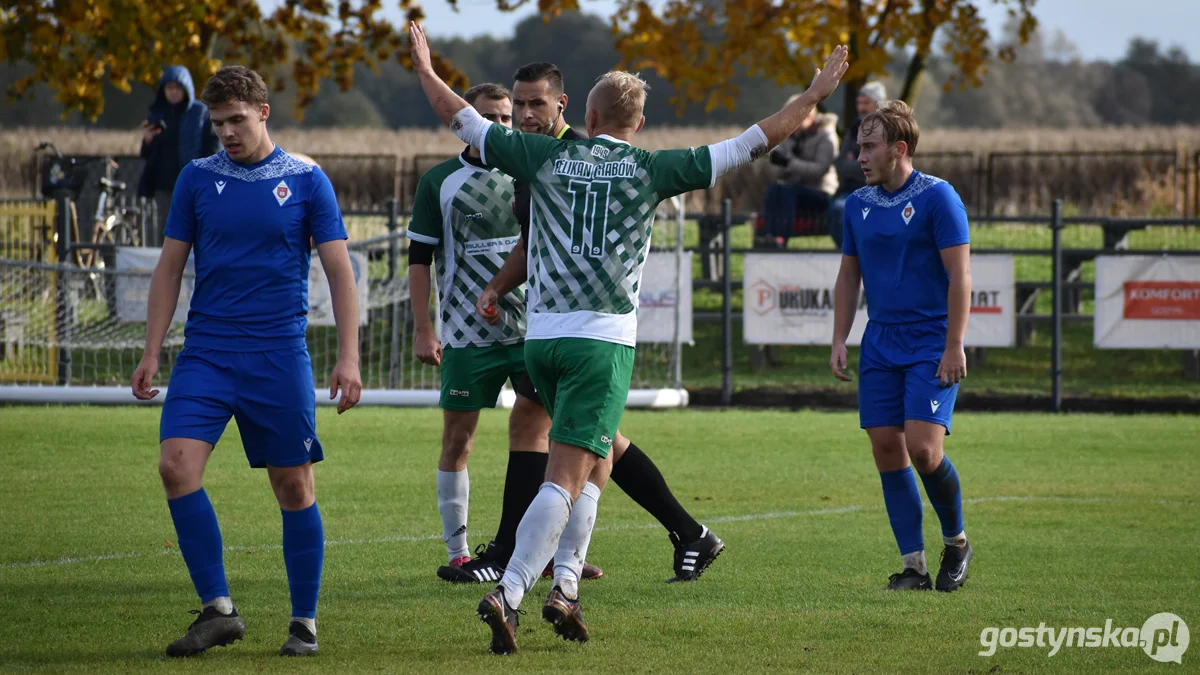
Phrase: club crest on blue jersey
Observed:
(282, 192)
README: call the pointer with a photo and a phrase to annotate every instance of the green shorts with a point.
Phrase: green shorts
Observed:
(472, 377)
(584, 384)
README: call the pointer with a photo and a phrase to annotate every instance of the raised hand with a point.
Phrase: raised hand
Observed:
(828, 76)
(419, 48)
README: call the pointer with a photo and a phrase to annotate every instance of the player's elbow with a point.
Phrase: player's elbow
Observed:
(167, 273)
(340, 275)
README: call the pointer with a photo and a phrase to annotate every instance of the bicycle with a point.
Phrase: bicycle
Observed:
(113, 223)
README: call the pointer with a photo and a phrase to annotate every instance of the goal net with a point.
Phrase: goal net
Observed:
(73, 334)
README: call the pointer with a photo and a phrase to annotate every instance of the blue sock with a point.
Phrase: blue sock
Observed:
(200, 543)
(902, 498)
(303, 555)
(946, 497)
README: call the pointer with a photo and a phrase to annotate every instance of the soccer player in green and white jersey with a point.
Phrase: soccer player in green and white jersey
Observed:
(538, 108)
(594, 202)
(463, 217)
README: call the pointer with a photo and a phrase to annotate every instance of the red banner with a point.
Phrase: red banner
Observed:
(1162, 300)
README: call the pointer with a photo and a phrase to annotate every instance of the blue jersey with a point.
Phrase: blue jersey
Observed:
(249, 226)
(897, 238)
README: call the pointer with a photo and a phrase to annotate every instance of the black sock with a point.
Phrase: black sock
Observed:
(526, 473)
(637, 475)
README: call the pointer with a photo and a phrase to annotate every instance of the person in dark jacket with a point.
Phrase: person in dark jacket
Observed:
(176, 131)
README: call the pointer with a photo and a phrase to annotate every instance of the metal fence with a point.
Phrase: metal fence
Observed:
(1054, 287)
(70, 325)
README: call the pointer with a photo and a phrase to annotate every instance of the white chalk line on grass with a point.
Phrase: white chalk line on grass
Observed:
(73, 560)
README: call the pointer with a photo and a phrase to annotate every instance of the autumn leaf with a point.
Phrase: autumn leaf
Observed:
(700, 45)
(77, 46)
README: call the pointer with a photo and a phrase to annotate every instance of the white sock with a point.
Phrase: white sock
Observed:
(573, 546)
(568, 584)
(916, 561)
(537, 538)
(224, 604)
(453, 493)
(958, 540)
(310, 624)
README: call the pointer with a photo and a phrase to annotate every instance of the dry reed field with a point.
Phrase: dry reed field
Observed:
(981, 163)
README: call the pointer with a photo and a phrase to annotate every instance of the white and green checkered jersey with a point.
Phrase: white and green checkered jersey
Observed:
(466, 211)
(593, 212)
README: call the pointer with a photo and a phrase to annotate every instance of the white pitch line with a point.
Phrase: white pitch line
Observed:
(72, 560)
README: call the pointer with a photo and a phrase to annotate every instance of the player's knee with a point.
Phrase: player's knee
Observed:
(888, 449)
(923, 455)
(293, 489)
(620, 445)
(528, 427)
(457, 443)
(456, 448)
(173, 472)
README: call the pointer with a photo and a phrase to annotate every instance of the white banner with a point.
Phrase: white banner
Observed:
(993, 302)
(133, 292)
(657, 298)
(1147, 302)
(320, 304)
(788, 299)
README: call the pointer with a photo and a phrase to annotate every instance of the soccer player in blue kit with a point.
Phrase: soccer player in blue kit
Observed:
(906, 240)
(248, 213)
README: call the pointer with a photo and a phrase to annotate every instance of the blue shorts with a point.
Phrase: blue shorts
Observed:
(897, 375)
(270, 394)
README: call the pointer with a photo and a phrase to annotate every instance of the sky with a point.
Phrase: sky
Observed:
(1101, 28)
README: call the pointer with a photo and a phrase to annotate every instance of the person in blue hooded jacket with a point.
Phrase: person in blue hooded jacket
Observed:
(176, 131)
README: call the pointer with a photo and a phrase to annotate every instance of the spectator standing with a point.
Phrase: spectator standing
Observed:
(176, 131)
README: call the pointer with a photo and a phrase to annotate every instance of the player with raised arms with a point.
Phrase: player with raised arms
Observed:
(538, 106)
(907, 242)
(593, 209)
(247, 213)
(463, 218)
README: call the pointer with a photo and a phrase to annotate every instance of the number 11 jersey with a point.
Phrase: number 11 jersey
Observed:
(593, 204)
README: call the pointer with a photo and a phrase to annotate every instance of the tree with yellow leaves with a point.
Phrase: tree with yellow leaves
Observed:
(75, 46)
(699, 46)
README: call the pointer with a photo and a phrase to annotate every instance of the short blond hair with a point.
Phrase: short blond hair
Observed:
(899, 124)
(619, 98)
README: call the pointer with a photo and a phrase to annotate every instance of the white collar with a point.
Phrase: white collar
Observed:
(614, 140)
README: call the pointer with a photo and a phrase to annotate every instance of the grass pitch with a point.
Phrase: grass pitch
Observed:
(1074, 519)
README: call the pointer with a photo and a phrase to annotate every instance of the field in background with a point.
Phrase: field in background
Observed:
(18, 142)
(16, 145)
(1106, 526)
